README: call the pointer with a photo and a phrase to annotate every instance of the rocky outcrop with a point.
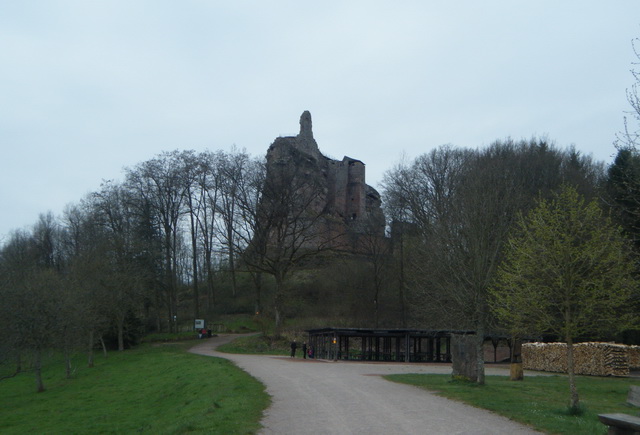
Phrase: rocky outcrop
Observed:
(351, 208)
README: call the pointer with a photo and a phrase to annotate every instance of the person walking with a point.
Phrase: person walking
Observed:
(304, 350)
(294, 346)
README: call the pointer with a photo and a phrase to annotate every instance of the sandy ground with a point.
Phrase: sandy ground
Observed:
(326, 397)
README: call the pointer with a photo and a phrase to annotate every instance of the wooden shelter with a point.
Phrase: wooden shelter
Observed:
(402, 345)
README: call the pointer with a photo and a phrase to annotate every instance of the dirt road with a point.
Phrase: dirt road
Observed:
(325, 397)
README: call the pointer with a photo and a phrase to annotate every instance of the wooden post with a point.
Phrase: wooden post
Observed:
(447, 347)
(407, 348)
(346, 347)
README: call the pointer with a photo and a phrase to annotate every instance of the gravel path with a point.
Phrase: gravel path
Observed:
(325, 397)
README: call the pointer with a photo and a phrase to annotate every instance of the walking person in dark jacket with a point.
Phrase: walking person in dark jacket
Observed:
(294, 346)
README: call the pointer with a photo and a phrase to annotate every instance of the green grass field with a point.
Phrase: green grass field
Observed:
(539, 401)
(154, 389)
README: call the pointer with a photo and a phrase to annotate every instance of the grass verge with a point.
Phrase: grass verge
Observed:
(539, 401)
(159, 389)
(257, 345)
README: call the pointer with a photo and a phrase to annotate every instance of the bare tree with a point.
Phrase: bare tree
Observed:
(232, 170)
(630, 137)
(208, 192)
(284, 226)
(195, 202)
(118, 269)
(463, 204)
(159, 184)
(420, 198)
(249, 195)
(16, 261)
(33, 300)
(376, 250)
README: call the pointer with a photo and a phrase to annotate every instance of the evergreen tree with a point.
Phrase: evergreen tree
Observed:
(623, 189)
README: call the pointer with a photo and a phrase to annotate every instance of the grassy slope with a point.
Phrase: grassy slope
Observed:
(152, 389)
(539, 401)
(257, 345)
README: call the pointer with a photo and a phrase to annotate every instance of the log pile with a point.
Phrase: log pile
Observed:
(595, 359)
(634, 357)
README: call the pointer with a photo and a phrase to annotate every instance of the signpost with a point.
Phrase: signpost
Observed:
(199, 324)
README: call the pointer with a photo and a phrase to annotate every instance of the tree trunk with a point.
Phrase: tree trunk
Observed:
(480, 332)
(194, 263)
(90, 349)
(257, 280)
(168, 276)
(375, 310)
(234, 280)
(480, 357)
(574, 403)
(67, 362)
(211, 295)
(231, 257)
(516, 372)
(278, 300)
(401, 284)
(158, 308)
(278, 321)
(196, 289)
(170, 312)
(104, 347)
(120, 327)
(37, 369)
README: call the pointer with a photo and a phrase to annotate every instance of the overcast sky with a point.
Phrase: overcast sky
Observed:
(90, 87)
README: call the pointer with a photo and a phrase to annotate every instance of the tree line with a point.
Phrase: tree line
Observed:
(183, 236)
(521, 238)
(130, 257)
(459, 210)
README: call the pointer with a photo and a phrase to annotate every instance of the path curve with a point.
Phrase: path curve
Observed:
(349, 398)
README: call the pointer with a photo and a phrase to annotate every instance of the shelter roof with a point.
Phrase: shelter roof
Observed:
(359, 332)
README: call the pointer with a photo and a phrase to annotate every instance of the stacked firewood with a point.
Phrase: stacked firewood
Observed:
(596, 359)
(634, 357)
(546, 357)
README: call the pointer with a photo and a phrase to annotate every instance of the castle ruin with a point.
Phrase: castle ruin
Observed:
(351, 208)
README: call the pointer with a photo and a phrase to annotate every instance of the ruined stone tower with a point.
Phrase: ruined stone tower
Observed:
(351, 207)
